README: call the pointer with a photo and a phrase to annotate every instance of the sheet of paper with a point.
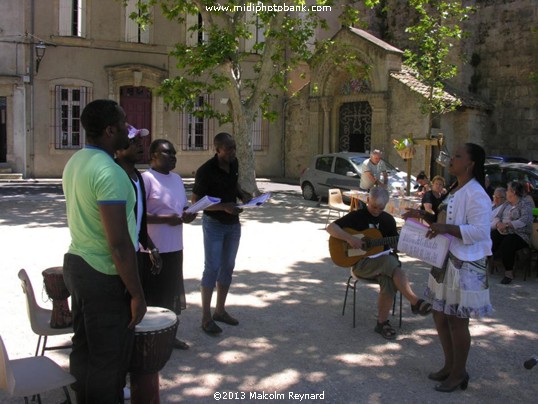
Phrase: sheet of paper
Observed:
(414, 243)
(203, 203)
(258, 201)
(386, 252)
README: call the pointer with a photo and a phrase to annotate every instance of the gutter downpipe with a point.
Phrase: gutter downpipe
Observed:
(29, 166)
(283, 139)
(283, 135)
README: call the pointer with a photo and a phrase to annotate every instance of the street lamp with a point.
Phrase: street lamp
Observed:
(40, 49)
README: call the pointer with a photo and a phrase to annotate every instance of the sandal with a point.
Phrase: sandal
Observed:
(421, 307)
(225, 318)
(385, 330)
(211, 328)
(178, 344)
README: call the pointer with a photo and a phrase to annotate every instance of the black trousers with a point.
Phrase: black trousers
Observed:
(505, 247)
(167, 289)
(102, 343)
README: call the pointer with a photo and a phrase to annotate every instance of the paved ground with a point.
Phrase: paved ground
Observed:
(288, 296)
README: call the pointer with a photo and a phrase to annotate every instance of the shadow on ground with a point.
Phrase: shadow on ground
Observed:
(292, 337)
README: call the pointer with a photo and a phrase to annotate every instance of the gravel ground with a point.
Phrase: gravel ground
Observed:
(288, 296)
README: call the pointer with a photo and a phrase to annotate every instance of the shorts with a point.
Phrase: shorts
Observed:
(381, 269)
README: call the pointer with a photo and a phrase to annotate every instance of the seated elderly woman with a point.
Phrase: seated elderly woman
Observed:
(433, 198)
(513, 229)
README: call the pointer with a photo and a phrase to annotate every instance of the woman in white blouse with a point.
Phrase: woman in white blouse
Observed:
(460, 291)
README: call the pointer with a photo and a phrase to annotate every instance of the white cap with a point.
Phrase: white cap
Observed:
(133, 132)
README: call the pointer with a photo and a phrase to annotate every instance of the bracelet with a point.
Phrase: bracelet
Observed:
(154, 250)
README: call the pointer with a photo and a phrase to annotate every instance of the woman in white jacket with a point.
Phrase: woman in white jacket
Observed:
(460, 290)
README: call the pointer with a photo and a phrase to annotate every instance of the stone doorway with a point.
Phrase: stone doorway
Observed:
(355, 127)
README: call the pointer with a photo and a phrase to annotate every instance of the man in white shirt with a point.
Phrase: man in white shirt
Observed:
(372, 170)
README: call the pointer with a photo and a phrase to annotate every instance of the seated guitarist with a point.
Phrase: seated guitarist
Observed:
(386, 269)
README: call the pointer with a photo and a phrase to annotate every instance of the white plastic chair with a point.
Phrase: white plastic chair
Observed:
(31, 376)
(40, 317)
(336, 203)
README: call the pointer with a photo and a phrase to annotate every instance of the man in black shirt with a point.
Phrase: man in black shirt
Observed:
(386, 269)
(218, 177)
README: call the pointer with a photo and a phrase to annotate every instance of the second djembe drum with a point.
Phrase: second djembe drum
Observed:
(53, 279)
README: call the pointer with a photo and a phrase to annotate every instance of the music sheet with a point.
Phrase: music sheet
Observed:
(414, 243)
(203, 203)
(386, 252)
(257, 201)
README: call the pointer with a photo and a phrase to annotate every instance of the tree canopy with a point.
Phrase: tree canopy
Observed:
(434, 35)
(246, 50)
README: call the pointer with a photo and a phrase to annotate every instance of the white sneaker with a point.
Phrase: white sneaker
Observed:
(126, 393)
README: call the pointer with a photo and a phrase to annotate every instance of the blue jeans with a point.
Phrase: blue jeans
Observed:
(221, 242)
(102, 343)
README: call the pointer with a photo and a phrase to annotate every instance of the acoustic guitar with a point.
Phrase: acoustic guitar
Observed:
(343, 255)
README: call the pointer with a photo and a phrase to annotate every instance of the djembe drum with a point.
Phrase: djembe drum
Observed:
(53, 279)
(154, 341)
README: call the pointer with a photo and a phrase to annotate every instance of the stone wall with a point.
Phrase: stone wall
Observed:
(403, 111)
(496, 61)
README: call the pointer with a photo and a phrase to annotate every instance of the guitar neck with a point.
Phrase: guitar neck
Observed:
(390, 241)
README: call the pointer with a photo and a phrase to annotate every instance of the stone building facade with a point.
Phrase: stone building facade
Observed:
(497, 61)
(365, 108)
(96, 52)
(92, 52)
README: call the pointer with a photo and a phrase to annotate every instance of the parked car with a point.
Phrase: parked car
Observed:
(503, 173)
(343, 170)
(506, 159)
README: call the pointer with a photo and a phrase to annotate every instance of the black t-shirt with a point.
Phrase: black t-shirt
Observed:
(211, 180)
(429, 197)
(362, 219)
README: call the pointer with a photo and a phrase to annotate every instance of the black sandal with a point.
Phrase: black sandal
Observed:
(178, 344)
(211, 328)
(421, 307)
(385, 329)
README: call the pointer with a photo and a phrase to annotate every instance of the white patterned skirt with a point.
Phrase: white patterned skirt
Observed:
(464, 291)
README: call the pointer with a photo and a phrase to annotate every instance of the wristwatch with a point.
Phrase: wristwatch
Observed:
(154, 250)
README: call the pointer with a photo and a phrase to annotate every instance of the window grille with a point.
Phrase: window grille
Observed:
(260, 131)
(195, 130)
(68, 105)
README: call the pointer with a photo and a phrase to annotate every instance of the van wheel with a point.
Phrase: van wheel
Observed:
(308, 192)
